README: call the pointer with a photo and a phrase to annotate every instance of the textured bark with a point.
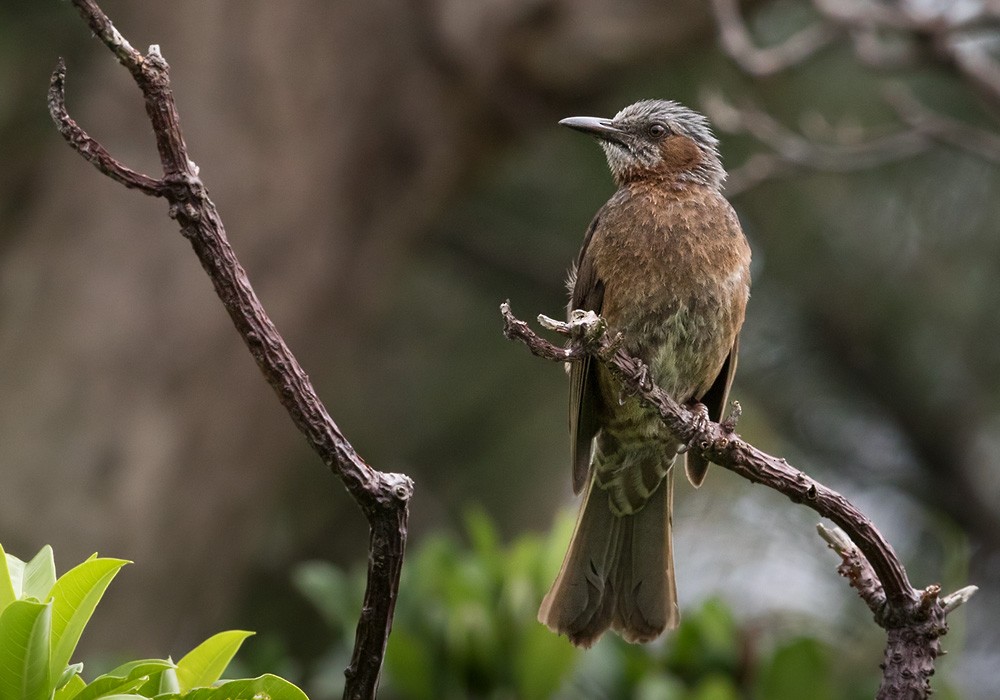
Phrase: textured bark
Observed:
(914, 620)
(383, 497)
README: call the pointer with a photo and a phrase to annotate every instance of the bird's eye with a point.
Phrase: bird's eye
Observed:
(656, 130)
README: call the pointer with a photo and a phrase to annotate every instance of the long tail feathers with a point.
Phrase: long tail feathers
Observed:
(618, 573)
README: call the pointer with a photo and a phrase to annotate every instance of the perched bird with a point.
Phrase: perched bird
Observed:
(666, 264)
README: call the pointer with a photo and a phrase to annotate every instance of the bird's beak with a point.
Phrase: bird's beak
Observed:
(595, 126)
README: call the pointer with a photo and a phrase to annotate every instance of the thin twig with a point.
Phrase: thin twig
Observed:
(791, 152)
(885, 35)
(913, 620)
(760, 62)
(920, 117)
(89, 148)
(383, 497)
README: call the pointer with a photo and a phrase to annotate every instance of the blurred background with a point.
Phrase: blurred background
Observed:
(389, 173)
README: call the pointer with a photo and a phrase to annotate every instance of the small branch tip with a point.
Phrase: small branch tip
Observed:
(958, 598)
(551, 324)
(835, 537)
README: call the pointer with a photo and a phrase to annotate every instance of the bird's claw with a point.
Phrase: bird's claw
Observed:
(699, 422)
(642, 378)
(584, 326)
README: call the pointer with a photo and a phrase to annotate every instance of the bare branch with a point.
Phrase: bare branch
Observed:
(383, 497)
(738, 44)
(856, 569)
(87, 147)
(105, 31)
(913, 620)
(792, 151)
(920, 117)
(884, 35)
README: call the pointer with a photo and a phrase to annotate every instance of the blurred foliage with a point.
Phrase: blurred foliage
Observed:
(465, 627)
(42, 618)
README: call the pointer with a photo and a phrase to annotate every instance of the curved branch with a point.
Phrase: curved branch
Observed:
(913, 619)
(92, 150)
(791, 152)
(761, 62)
(383, 497)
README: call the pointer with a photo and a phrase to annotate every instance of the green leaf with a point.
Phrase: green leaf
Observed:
(39, 575)
(169, 682)
(7, 593)
(24, 651)
(68, 673)
(140, 668)
(15, 574)
(69, 691)
(74, 597)
(105, 686)
(266, 686)
(205, 664)
(147, 671)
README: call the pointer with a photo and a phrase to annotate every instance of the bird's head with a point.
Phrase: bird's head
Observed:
(656, 138)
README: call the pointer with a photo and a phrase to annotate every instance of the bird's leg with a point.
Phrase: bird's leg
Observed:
(642, 378)
(643, 382)
(699, 422)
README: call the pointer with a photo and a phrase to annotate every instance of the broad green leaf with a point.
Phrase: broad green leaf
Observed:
(169, 682)
(39, 575)
(105, 686)
(266, 686)
(140, 668)
(146, 672)
(74, 597)
(68, 673)
(205, 664)
(71, 689)
(24, 651)
(15, 574)
(7, 593)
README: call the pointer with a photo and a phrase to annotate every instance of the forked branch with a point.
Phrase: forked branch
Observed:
(384, 497)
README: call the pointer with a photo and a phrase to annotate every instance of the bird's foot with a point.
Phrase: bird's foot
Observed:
(642, 378)
(699, 422)
(642, 383)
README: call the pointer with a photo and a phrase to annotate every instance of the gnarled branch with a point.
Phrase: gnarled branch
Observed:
(884, 35)
(914, 620)
(383, 497)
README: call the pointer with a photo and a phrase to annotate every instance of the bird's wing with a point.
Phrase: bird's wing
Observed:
(695, 465)
(584, 395)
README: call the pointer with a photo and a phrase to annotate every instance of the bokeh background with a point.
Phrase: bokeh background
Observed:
(388, 173)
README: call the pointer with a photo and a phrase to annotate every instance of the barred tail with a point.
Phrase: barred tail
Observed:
(618, 572)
